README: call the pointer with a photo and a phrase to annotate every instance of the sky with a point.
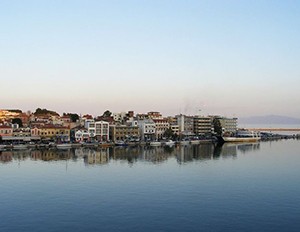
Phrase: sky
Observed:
(232, 58)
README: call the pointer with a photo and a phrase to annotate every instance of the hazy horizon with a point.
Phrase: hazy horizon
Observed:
(232, 58)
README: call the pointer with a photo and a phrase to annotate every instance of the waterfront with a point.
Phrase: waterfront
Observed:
(236, 187)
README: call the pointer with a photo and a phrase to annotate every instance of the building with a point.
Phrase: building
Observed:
(119, 117)
(186, 124)
(203, 125)
(99, 130)
(51, 132)
(22, 132)
(82, 135)
(161, 125)
(147, 129)
(124, 132)
(229, 125)
(175, 128)
(6, 131)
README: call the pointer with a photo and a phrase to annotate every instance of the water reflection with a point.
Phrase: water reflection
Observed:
(182, 154)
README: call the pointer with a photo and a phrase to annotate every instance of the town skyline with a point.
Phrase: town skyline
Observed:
(234, 58)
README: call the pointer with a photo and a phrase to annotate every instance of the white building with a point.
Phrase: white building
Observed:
(147, 129)
(99, 130)
(82, 135)
(119, 117)
(186, 124)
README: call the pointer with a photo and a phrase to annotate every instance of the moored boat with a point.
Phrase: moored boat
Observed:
(170, 143)
(120, 143)
(155, 143)
(241, 136)
(19, 146)
(64, 146)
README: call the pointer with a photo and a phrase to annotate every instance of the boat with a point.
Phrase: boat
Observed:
(170, 143)
(64, 146)
(241, 136)
(19, 146)
(120, 143)
(155, 143)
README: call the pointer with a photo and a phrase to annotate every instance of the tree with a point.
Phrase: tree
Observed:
(17, 121)
(107, 114)
(169, 133)
(73, 117)
(40, 111)
(217, 126)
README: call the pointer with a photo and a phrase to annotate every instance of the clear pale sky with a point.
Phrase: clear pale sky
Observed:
(235, 58)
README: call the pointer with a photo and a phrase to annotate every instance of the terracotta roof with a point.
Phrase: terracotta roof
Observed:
(5, 127)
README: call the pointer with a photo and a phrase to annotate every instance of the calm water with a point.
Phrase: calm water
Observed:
(251, 187)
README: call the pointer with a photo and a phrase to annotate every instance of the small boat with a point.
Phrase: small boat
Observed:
(155, 143)
(19, 146)
(170, 143)
(120, 143)
(64, 146)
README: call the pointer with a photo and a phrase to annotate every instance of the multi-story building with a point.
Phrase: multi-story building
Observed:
(228, 124)
(203, 125)
(119, 117)
(147, 129)
(99, 130)
(82, 135)
(22, 132)
(124, 132)
(51, 132)
(154, 115)
(161, 125)
(6, 131)
(175, 128)
(186, 124)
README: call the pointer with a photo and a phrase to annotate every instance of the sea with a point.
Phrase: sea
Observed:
(204, 187)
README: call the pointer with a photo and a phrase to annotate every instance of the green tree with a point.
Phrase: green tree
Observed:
(40, 111)
(73, 117)
(107, 114)
(217, 126)
(17, 121)
(169, 133)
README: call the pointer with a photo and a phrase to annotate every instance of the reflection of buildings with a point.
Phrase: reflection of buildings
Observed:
(195, 152)
(94, 156)
(5, 156)
(183, 154)
(51, 155)
(157, 154)
(248, 147)
(131, 154)
(231, 149)
(228, 150)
